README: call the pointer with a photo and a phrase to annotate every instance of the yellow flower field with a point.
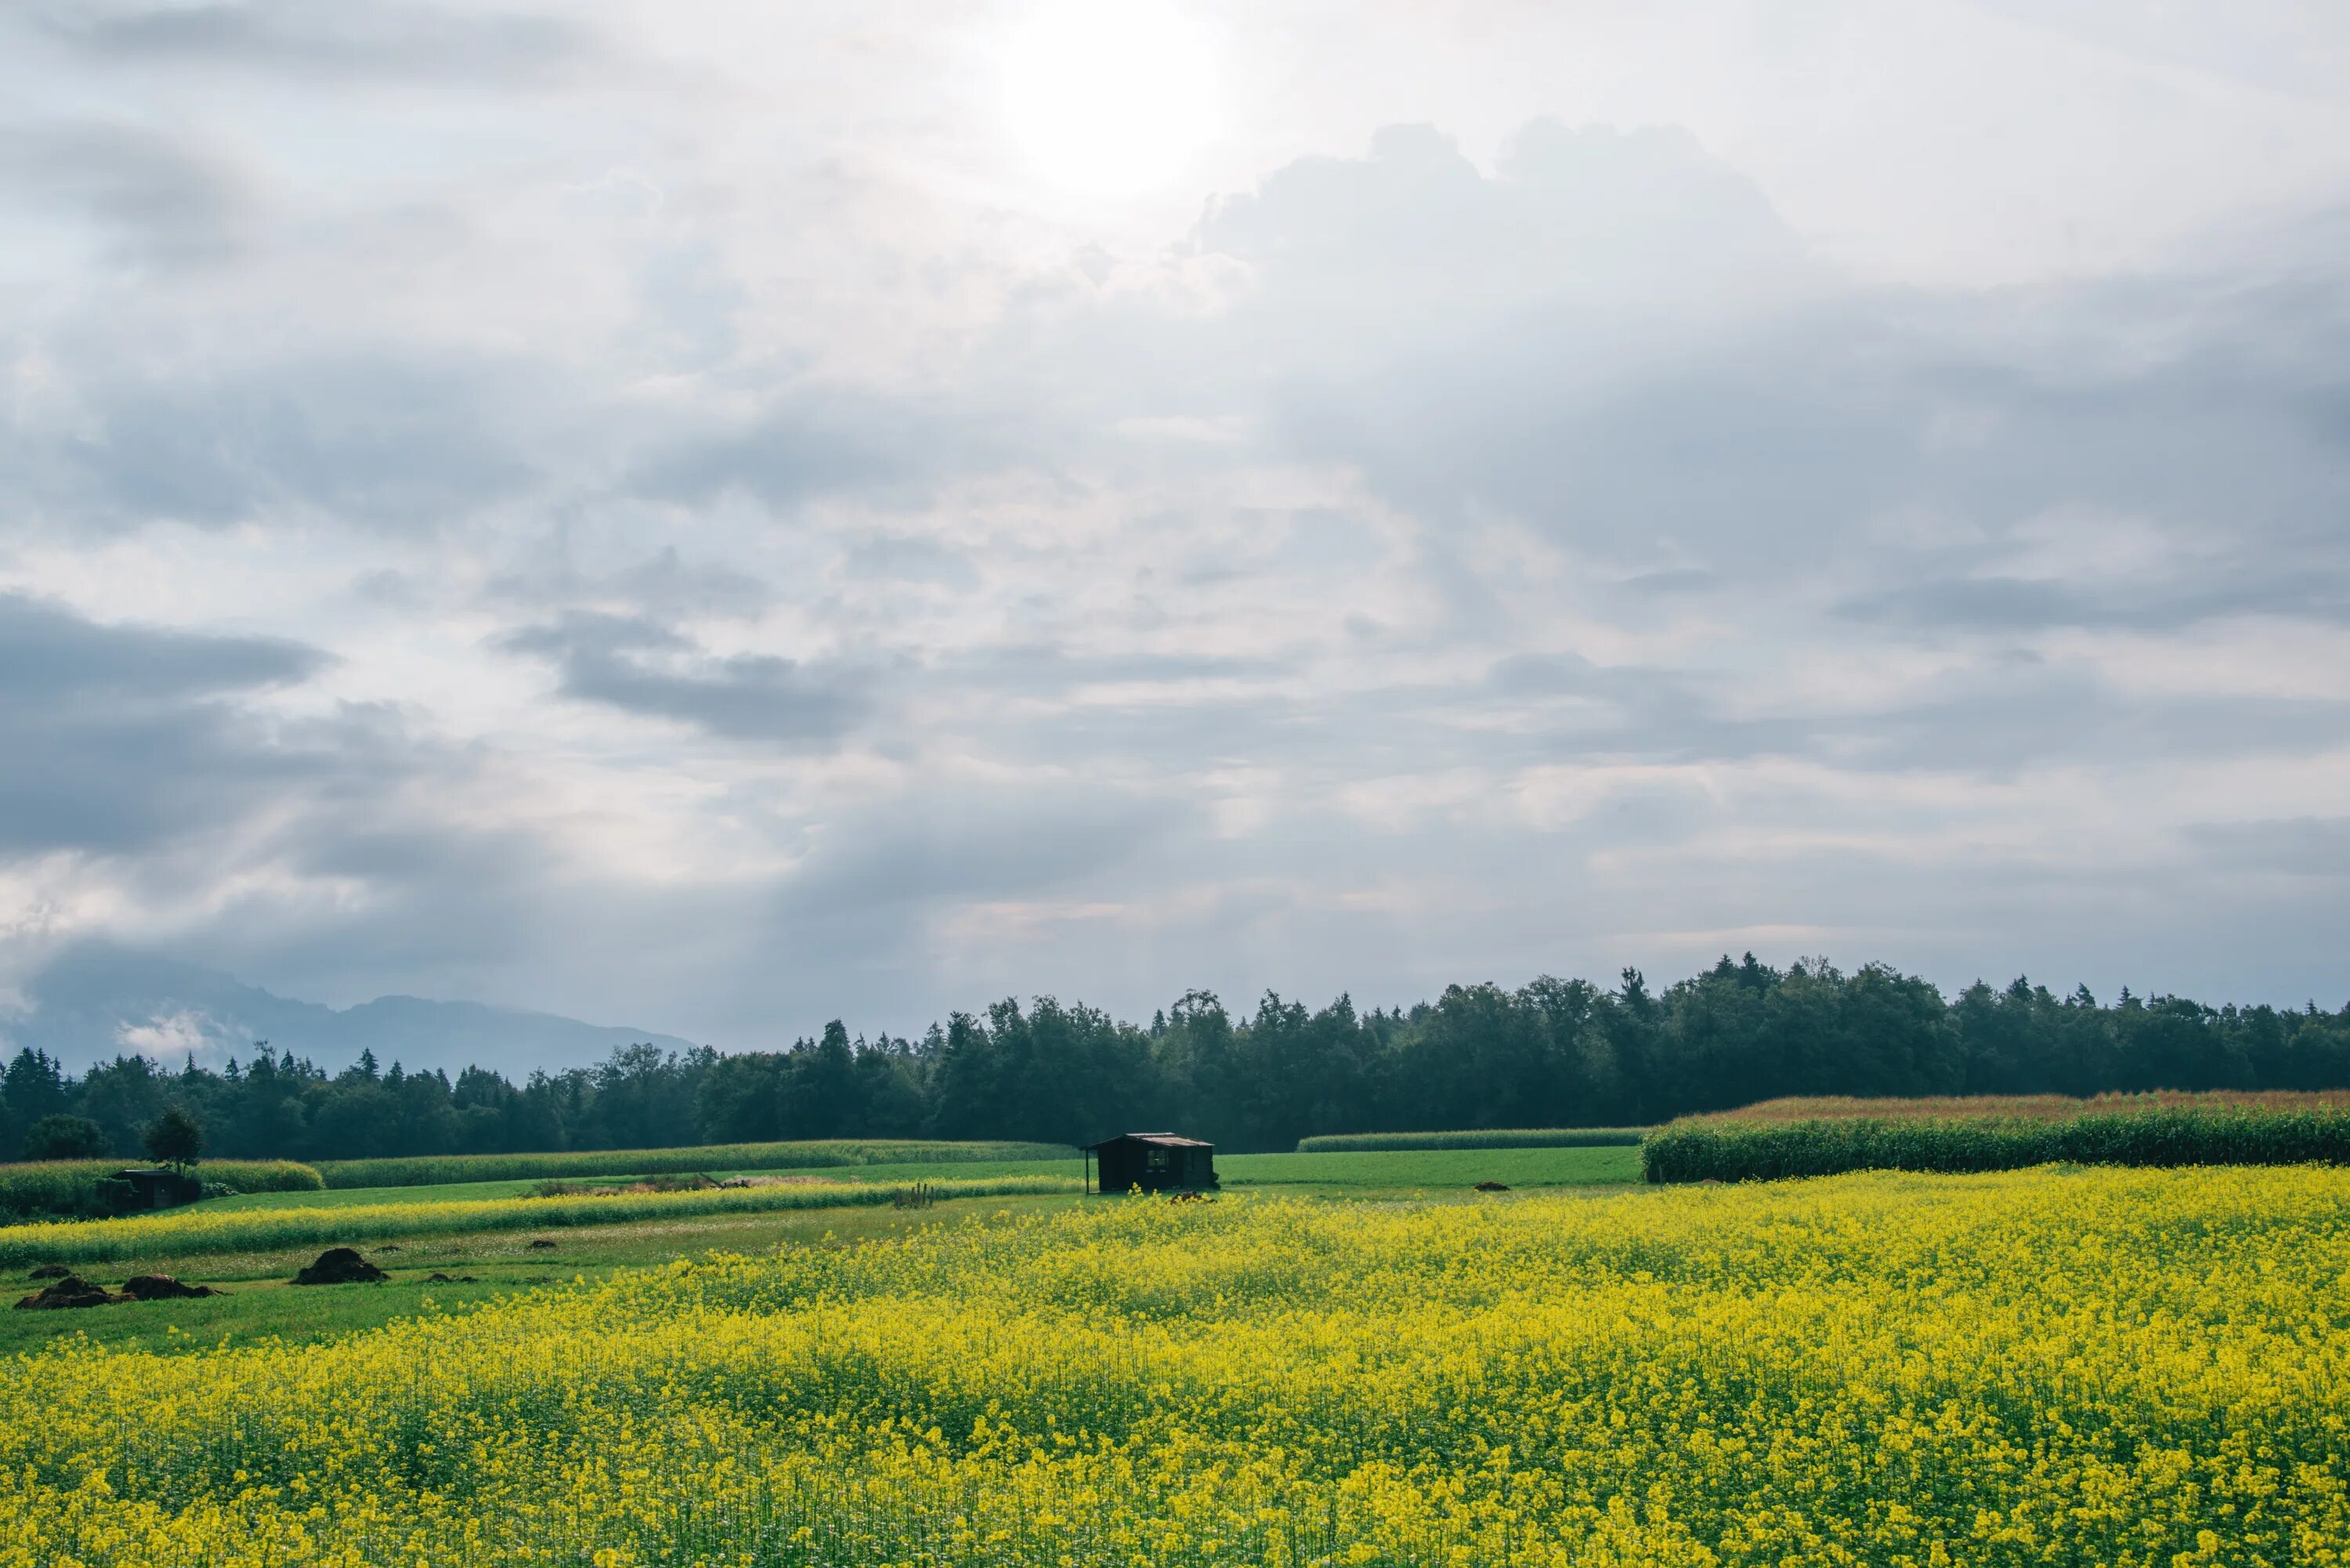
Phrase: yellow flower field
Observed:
(2116, 1367)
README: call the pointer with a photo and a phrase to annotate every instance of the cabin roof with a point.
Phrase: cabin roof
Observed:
(1168, 1141)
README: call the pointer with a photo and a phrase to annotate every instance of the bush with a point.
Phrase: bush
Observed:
(435, 1171)
(1490, 1137)
(1718, 1150)
(58, 1189)
(65, 1137)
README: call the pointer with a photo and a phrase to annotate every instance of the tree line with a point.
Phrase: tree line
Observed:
(1555, 1052)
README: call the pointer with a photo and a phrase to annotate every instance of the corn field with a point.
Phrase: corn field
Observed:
(1722, 1150)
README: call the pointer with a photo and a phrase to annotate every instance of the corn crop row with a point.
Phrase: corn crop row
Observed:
(1716, 1149)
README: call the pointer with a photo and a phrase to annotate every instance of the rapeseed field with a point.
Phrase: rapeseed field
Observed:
(2125, 1367)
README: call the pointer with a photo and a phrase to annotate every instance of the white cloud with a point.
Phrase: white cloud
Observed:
(174, 1038)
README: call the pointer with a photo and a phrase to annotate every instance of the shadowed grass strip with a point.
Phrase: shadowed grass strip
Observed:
(437, 1170)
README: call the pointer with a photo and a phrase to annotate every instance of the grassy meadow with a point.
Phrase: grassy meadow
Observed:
(2127, 1368)
(1482, 1137)
(1426, 1171)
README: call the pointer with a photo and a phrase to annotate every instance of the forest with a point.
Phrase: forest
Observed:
(1554, 1053)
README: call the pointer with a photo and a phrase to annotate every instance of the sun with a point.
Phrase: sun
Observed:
(1109, 97)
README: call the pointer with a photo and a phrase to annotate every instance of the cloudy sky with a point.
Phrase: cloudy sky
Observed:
(719, 515)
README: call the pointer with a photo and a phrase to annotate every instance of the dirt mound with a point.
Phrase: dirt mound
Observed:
(541, 1245)
(340, 1266)
(49, 1272)
(438, 1278)
(1492, 1187)
(164, 1288)
(72, 1290)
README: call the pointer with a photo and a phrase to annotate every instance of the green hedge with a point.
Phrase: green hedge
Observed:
(1487, 1137)
(68, 1188)
(437, 1170)
(1770, 1151)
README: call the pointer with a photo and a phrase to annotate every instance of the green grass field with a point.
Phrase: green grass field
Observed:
(260, 1304)
(1412, 1171)
(1480, 1138)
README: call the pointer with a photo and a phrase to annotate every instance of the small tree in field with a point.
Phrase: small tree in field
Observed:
(175, 1138)
(65, 1137)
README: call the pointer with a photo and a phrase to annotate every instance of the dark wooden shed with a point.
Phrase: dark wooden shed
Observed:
(1155, 1162)
(153, 1190)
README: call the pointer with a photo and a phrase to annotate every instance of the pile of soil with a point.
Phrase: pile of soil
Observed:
(49, 1272)
(162, 1288)
(541, 1245)
(340, 1266)
(72, 1290)
(437, 1278)
(1492, 1187)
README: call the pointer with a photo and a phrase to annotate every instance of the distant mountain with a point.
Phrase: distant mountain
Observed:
(94, 1003)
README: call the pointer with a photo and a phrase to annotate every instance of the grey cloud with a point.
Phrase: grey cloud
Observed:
(1766, 434)
(979, 843)
(663, 585)
(1040, 666)
(350, 37)
(1677, 580)
(810, 445)
(1567, 210)
(2311, 847)
(370, 440)
(908, 558)
(2007, 714)
(638, 667)
(121, 738)
(2016, 605)
(165, 201)
(859, 907)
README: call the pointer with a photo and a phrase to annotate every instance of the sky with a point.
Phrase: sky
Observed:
(723, 516)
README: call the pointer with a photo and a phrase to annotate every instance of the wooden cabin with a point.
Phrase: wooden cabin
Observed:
(132, 1191)
(1153, 1161)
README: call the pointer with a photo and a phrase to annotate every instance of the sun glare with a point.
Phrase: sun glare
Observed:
(1109, 97)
